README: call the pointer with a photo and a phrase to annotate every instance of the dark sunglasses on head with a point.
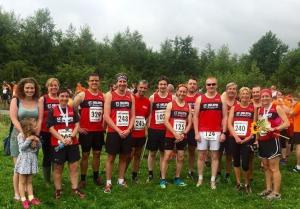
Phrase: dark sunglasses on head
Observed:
(211, 84)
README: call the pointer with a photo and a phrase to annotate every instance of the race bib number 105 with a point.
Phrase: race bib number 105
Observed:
(159, 116)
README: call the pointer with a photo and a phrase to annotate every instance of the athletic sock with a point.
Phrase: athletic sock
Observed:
(108, 182)
(200, 177)
(227, 175)
(120, 181)
(150, 173)
(83, 177)
(30, 197)
(298, 167)
(219, 173)
(213, 178)
(23, 199)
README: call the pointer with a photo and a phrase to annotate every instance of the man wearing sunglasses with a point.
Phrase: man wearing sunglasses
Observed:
(210, 118)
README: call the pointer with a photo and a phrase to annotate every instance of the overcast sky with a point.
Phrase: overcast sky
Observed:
(236, 23)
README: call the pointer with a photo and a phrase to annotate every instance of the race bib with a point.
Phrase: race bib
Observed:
(139, 123)
(65, 133)
(179, 125)
(210, 135)
(240, 127)
(122, 118)
(95, 114)
(159, 116)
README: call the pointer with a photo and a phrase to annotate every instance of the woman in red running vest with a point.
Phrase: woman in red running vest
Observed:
(178, 121)
(240, 118)
(63, 123)
(48, 101)
(269, 144)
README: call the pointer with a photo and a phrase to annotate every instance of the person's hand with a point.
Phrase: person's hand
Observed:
(222, 137)
(126, 132)
(82, 130)
(197, 137)
(31, 138)
(178, 137)
(33, 144)
(238, 140)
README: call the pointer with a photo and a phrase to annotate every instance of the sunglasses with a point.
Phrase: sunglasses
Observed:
(211, 84)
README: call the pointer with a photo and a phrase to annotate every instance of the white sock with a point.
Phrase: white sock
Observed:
(200, 177)
(298, 167)
(23, 199)
(213, 178)
(120, 181)
(30, 197)
(108, 182)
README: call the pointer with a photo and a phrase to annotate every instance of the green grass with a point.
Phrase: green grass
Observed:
(145, 195)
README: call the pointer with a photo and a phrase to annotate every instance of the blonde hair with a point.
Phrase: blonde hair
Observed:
(51, 80)
(231, 84)
(244, 89)
(181, 85)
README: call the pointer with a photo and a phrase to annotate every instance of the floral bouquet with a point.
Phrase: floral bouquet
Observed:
(261, 127)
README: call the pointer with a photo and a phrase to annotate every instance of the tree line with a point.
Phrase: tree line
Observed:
(34, 46)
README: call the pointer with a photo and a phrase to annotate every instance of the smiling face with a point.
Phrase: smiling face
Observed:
(245, 96)
(256, 93)
(181, 93)
(53, 87)
(94, 83)
(121, 85)
(142, 89)
(192, 86)
(63, 98)
(162, 86)
(266, 99)
(211, 85)
(29, 89)
(231, 91)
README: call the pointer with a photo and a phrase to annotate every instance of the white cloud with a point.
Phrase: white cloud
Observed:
(235, 23)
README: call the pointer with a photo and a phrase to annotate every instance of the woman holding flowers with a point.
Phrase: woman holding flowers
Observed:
(240, 118)
(271, 120)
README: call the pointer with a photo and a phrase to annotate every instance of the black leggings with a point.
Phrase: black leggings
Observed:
(46, 146)
(241, 152)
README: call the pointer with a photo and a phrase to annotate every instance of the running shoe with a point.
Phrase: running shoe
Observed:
(149, 179)
(124, 184)
(26, 204)
(296, 170)
(273, 196)
(163, 184)
(191, 175)
(35, 201)
(248, 189)
(107, 188)
(239, 187)
(179, 182)
(213, 185)
(199, 183)
(265, 193)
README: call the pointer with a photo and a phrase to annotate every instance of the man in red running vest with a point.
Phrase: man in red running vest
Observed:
(210, 123)
(230, 98)
(192, 95)
(119, 114)
(142, 111)
(159, 101)
(90, 102)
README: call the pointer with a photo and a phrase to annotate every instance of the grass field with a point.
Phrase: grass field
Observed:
(143, 195)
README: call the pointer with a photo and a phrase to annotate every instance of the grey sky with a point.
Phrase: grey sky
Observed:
(236, 23)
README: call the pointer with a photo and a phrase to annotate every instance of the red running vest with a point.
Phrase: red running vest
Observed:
(242, 120)
(91, 111)
(142, 111)
(178, 118)
(60, 125)
(48, 105)
(274, 119)
(210, 115)
(120, 110)
(159, 106)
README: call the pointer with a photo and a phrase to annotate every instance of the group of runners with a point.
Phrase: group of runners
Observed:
(125, 121)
